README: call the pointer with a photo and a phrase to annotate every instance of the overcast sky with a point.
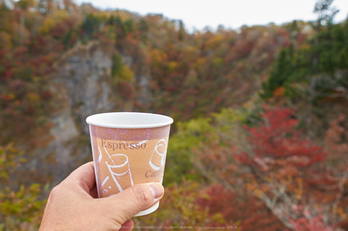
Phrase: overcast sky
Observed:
(230, 13)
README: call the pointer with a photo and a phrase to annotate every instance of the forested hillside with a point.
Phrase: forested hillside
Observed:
(260, 139)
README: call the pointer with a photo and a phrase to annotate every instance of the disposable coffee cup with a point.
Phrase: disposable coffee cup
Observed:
(128, 148)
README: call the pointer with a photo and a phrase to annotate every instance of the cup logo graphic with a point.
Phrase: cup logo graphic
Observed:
(117, 160)
(158, 156)
(119, 169)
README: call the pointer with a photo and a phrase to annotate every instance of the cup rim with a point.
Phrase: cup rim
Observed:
(131, 120)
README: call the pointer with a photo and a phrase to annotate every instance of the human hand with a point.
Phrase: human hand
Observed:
(73, 204)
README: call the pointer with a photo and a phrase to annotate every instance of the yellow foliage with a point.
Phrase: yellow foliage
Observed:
(218, 217)
(218, 62)
(19, 32)
(342, 213)
(214, 41)
(5, 40)
(11, 96)
(279, 91)
(25, 4)
(191, 53)
(305, 46)
(264, 188)
(46, 27)
(50, 22)
(200, 62)
(60, 15)
(251, 186)
(258, 193)
(191, 79)
(172, 66)
(158, 56)
(124, 15)
(299, 190)
(126, 73)
(33, 97)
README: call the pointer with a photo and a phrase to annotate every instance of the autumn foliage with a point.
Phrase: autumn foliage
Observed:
(278, 145)
(260, 134)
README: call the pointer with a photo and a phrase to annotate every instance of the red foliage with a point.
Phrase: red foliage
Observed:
(7, 75)
(36, 45)
(216, 204)
(276, 142)
(20, 51)
(46, 95)
(310, 222)
(59, 30)
(337, 137)
(126, 90)
(17, 85)
(301, 38)
(281, 157)
(249, 210)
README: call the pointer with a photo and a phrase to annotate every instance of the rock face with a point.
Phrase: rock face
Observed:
(84, 76)
(144, 94)
(81, 87)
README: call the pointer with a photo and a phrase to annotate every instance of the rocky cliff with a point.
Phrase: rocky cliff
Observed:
(82, 85)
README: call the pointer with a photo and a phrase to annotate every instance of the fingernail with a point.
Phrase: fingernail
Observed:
(157, 190)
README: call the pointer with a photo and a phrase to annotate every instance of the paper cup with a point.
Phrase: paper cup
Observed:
(128, 148)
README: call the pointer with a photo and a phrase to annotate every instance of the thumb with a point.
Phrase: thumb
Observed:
(124, 205)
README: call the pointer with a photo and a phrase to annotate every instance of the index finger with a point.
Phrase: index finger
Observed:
(83, 176)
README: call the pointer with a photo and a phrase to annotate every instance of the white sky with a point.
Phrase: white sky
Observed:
(230, 13)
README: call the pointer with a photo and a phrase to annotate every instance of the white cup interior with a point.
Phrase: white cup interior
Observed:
(129, 120)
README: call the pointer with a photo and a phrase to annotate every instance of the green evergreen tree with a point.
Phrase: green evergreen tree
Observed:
(181, 32)
(116, 65)
(90, 25)
(111, 20)
(317, 66)
(280, 74)
(325, 12)
(143, 26)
